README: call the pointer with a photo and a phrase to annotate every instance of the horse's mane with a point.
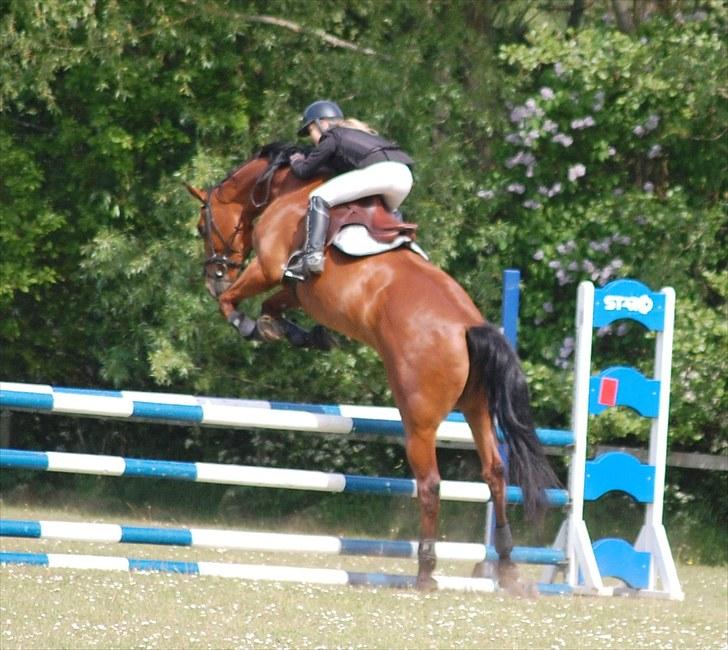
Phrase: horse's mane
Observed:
(279, 151)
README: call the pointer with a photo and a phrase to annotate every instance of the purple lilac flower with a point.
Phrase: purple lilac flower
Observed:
(549, 191)
(547, 93)
(514, 138)
(566, 247)
(576, 171)
(582, 123)
(602, 245)
(563, 139)
(604, 330)
(486, 194)
(525, 158)
(538, 255)
(567, 347)
(549, 126)
(653, 121)
(598, 104)
(519, 114)
(639, 130)
(559, 69)
(654, 152)
(648, 187)
(531, 137)
(531, 204)
(516, 188)
(548, 307)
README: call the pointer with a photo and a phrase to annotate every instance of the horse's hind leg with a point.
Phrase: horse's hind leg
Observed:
(494, 474)
(421, 455)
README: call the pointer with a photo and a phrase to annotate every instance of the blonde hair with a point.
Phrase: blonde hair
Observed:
(352, 123)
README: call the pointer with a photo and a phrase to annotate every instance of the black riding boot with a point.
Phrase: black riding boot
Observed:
(311, 259)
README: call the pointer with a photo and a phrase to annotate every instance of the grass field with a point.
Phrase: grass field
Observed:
(62, 608)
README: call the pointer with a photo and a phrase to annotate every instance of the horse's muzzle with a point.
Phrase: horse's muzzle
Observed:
(217, 285)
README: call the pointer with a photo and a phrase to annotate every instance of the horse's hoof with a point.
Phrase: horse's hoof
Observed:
(507, 573)
(484, 570)
(270, 329)
(426, 583)
(509, 581)
(321, 339)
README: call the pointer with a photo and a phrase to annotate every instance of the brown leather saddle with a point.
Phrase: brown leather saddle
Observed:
(373, 215)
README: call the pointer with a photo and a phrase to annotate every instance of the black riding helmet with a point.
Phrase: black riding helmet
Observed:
(321, 109)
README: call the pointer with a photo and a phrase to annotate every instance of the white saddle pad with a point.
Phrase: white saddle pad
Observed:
(355, 240)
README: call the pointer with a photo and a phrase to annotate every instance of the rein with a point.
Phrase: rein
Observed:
(280, 159)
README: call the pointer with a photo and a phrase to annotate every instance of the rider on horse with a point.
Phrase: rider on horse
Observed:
(364, 164)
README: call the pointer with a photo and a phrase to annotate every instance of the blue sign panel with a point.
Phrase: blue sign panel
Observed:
(629, 299)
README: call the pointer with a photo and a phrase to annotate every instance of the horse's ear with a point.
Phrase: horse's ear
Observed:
(201, 195)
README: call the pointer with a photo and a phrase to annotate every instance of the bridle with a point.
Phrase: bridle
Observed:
(222, 261)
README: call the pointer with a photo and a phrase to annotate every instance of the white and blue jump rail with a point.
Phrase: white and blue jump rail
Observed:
(342, 419)
(254, 476)
(254, 572)
(263, 541)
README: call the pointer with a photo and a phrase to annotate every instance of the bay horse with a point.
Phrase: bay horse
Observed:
(438, 351)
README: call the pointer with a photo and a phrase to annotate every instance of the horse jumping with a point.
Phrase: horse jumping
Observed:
(438, 352)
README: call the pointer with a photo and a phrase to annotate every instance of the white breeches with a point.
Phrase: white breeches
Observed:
(392, 180)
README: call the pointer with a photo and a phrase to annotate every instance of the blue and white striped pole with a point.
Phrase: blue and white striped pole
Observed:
(252, 476)
(256, 572)
(262, 541)
(345, 419)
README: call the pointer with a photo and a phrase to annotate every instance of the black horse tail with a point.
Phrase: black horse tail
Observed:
(495, 365)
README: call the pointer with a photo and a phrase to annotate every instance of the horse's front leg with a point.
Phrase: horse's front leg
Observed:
(251, 282)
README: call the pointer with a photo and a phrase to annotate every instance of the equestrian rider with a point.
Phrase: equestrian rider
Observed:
(364, 164)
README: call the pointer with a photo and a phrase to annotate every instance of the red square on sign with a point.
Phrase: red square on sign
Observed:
(608, 391)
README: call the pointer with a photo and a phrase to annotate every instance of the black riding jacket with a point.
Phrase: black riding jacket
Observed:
(342, 149)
